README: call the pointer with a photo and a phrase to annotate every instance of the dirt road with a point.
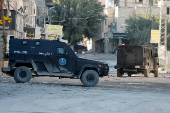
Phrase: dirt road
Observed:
(111, 95)
(136, 94)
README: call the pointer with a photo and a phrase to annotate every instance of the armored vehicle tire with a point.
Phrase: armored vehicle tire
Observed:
(84, 50)
(79, 51)
(156, 72)
(90, 78)
(22, 74)
(146, 73)
(129, 74)
(119, 73)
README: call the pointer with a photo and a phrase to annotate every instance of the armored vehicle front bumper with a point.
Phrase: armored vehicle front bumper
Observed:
(130, 67)
(104, 71)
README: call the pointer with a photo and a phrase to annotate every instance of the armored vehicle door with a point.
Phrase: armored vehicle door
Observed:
(64, 60)
(61, 60)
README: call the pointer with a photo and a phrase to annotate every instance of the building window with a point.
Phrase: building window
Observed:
(167, 10)
(126, 21)
(105, 22)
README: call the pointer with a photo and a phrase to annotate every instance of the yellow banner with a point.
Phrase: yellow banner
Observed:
(51, 38)
(155, 36)
(6, 18)
(55, 29)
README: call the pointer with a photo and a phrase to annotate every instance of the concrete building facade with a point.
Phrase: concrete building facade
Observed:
(117, 12)
(30, 9)
(103, 42)
(126, 8)
(16, 16)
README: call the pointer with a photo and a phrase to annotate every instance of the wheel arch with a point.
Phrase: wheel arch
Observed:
(28, 64)
(88, 67)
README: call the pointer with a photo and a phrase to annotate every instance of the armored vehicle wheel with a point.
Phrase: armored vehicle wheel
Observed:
(146, 73)
(22, 74)
(90, 78)
(129, 74)
(156, 72)
(119, 73)
(79, 51)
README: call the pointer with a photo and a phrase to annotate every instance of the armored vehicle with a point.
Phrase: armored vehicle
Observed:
(134, 59)
(80, 48)
(38, 57)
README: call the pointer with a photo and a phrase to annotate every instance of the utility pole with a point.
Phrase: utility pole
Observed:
(150, 6)
(46, 30)
(2, 9)
(5, 42)
(162, 46)
(36, 15)
(8, 11)
(45, 17)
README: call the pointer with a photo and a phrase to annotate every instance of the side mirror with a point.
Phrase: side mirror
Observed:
(155, 54)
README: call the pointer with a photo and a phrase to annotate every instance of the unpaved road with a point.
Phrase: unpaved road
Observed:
(136, 94)
(111, 95)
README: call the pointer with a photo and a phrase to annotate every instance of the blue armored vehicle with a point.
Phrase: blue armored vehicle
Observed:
(37, 57)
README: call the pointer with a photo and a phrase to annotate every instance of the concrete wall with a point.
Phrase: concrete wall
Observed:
(30, 10)
(14, 4)
(102, 1)
(130, 3)
(168, 6)
(123, 13)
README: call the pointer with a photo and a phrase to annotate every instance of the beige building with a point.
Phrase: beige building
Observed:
(22, 14)
(102, 42)
(168, 8)
(117, 12)
(30, 10)
(15, 15)
(126, 8)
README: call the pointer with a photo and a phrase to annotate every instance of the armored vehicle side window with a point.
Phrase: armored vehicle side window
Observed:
(66, 53)
(60, 51)
(24, 42)
(37, 43)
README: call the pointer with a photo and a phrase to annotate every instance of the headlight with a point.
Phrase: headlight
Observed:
(105, 66)
(100, 66)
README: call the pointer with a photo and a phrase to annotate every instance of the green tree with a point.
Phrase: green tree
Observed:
(139, 27)
(79, 18)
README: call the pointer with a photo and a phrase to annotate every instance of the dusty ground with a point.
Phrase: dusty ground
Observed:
(136, 94)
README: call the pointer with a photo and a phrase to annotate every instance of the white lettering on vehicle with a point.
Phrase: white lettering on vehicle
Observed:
(21, 52)
(45, 53)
